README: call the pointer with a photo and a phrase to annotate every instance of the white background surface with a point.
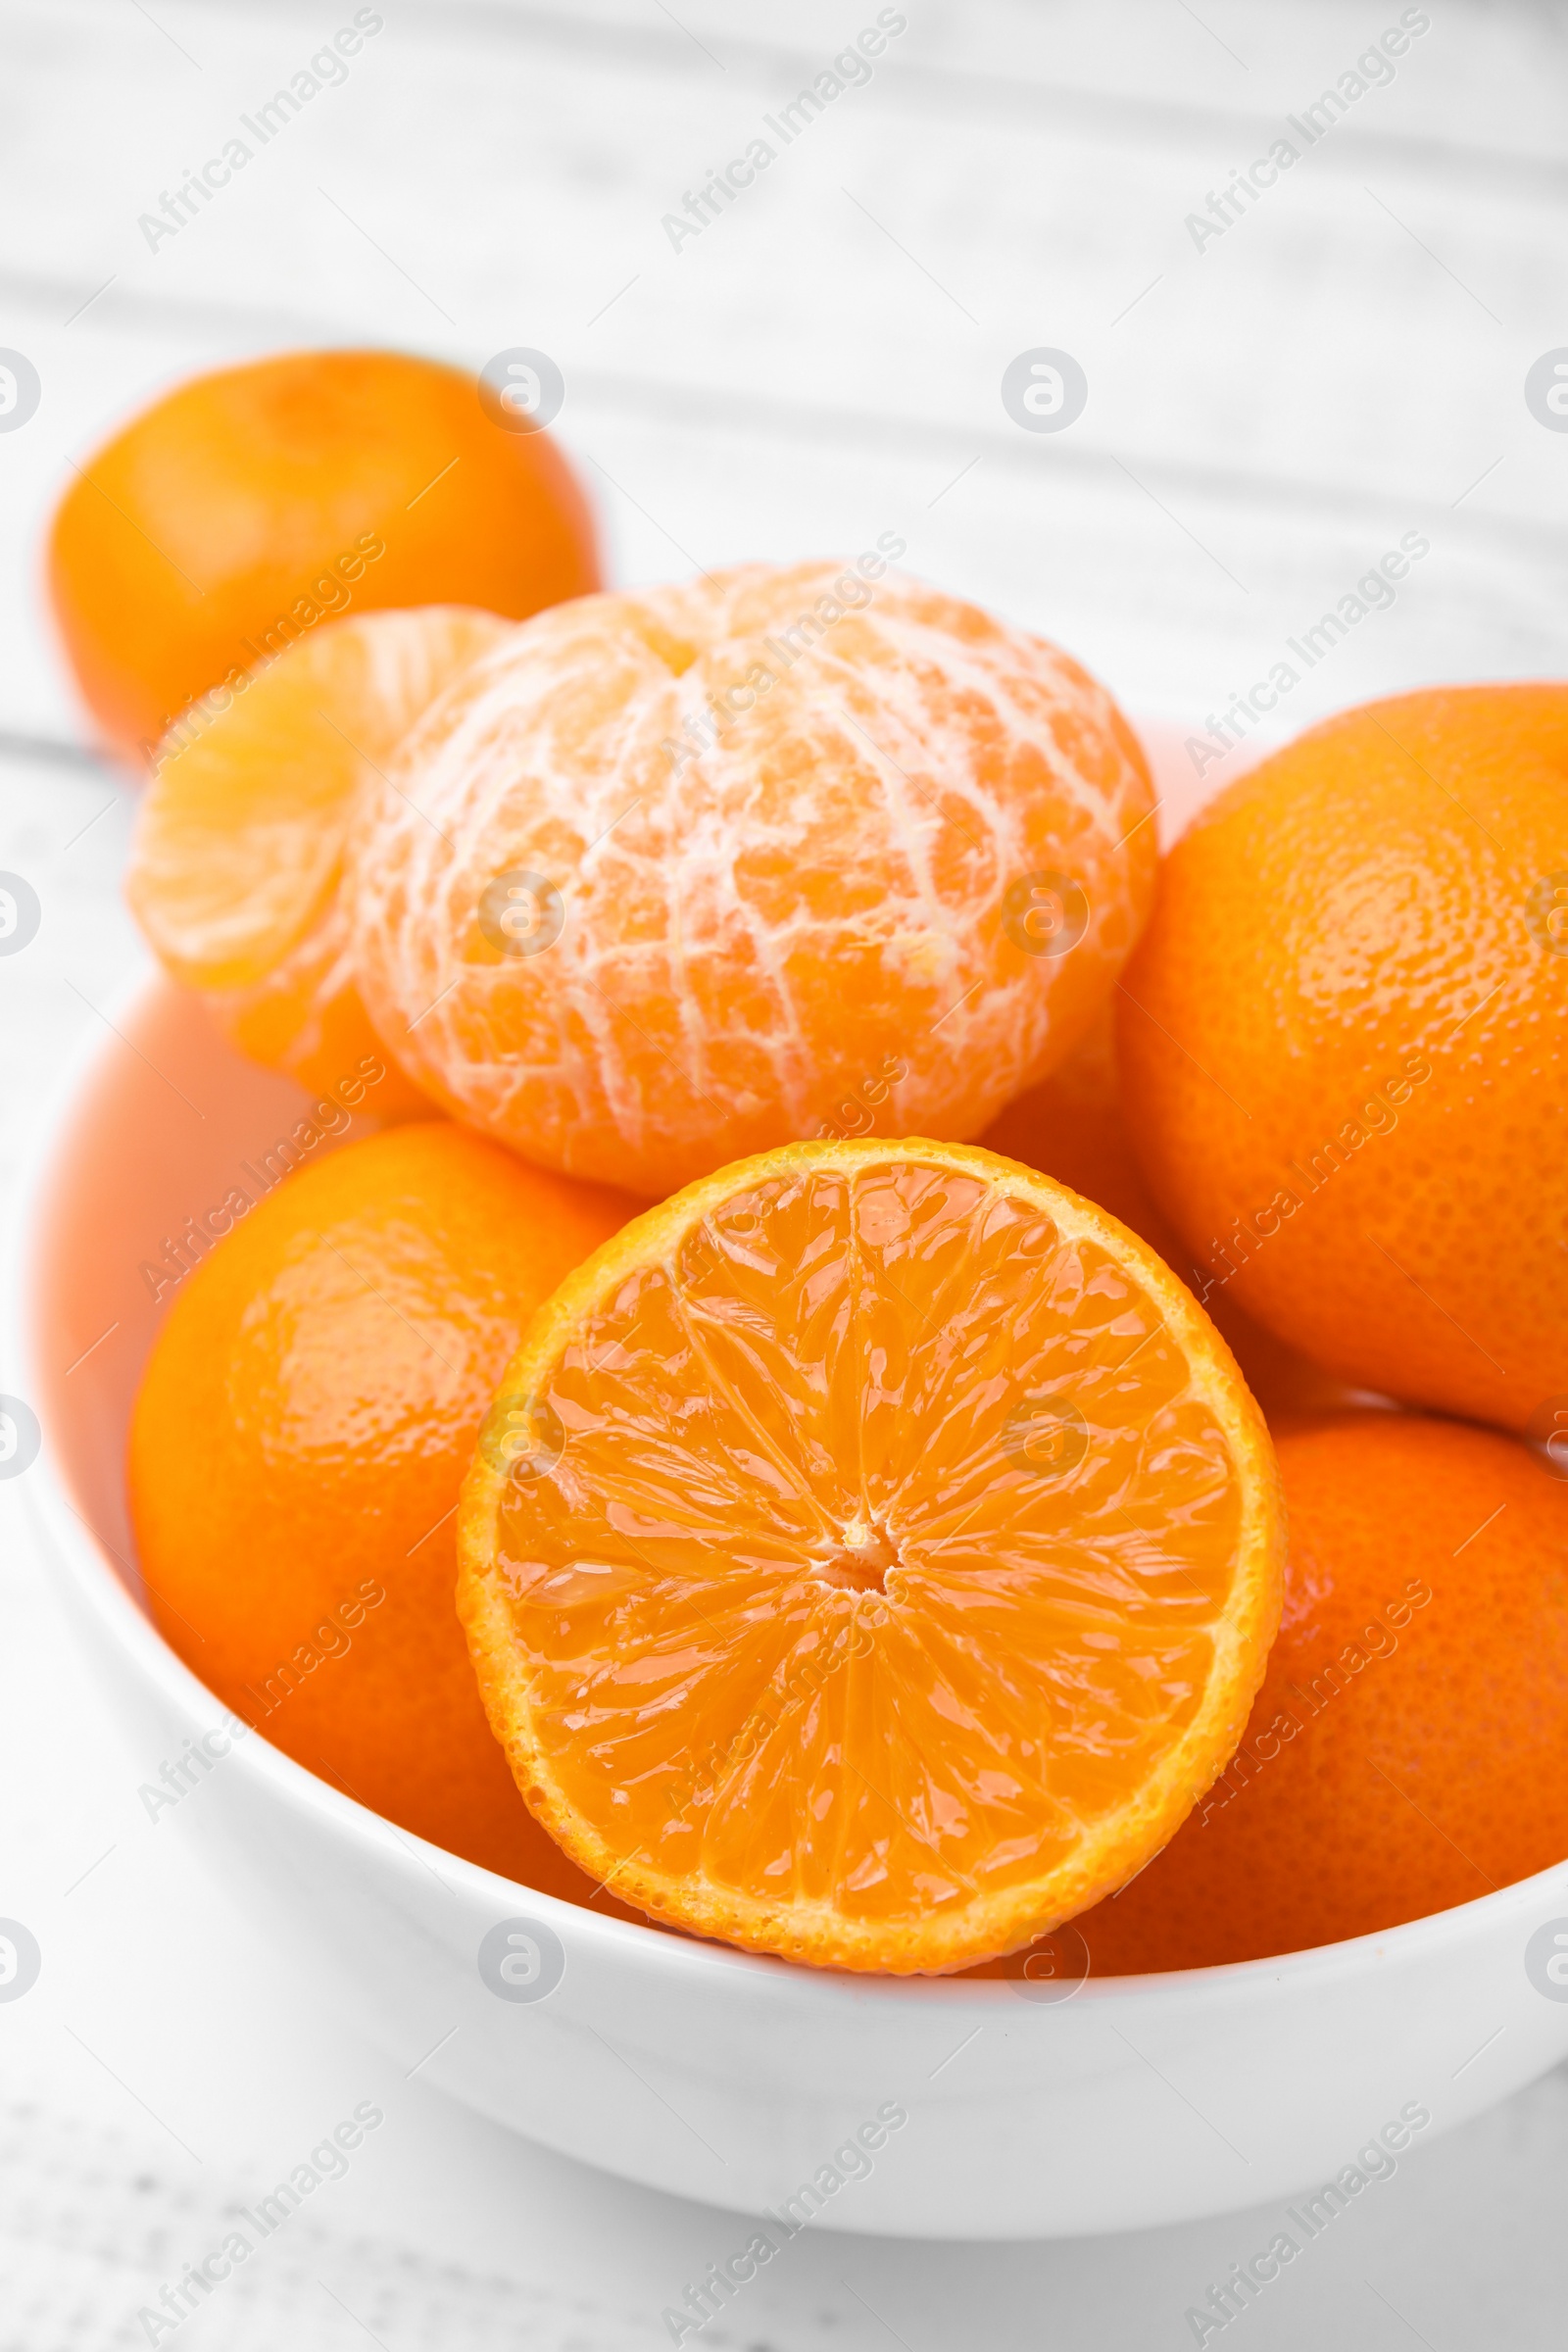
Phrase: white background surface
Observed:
(1266, 417)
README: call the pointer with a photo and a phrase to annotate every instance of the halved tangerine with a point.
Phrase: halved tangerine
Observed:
(870, 1556)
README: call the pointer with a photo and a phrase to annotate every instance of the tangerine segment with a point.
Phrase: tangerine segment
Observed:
(237, 867)
(870, 1556)
(679, 876)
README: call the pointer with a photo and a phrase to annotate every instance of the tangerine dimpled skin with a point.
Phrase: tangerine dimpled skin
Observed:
(296, 1451)
(1073, 1127)
(1405, 1752)
(675, 875)
(1344, 1047)
(243, 508)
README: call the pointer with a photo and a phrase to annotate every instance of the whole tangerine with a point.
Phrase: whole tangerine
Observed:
(673, 875)
(245, 506)
(297, 1446)
(1072, 1126)
(1405, 1752)
(1343, 1047)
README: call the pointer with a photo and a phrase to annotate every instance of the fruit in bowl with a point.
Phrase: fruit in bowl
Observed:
(1073, 1126)
(1402, 1754)
(670, 877)
(773, 1502)
(1026, 2120)
(1342, 1047)
(869, 1556)
(785, 1484)
(301, 1428)
(236, 870)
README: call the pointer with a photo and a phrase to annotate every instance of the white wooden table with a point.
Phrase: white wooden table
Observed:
(1269, 408)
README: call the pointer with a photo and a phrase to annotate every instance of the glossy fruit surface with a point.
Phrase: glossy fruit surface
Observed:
(870, 1555)
(1344, 1047)
(245, 507)
(302, 1427)
(683, 875)
(1405, 1752)
(1072, 1126)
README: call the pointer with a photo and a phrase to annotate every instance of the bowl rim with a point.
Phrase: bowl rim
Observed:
(88, 1558)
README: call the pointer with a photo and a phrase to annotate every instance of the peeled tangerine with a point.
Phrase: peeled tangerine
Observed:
(870, 1555)
(236, 868)
(679, 876)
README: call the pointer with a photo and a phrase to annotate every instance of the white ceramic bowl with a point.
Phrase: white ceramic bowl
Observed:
(698, 2069)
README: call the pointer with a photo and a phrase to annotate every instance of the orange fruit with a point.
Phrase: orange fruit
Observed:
(296, 1449)
(683, 875)
(243, 508)
(870, 1555)
(237, 867)
(1344, 1047)
(1405, 1752)
(1071, 1126)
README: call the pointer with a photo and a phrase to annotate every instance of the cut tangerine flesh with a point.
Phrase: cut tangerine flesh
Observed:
(870, 1556)
(236, 870)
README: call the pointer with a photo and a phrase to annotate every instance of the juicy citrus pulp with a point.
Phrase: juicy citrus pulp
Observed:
(239, 859)
(870, 1555)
